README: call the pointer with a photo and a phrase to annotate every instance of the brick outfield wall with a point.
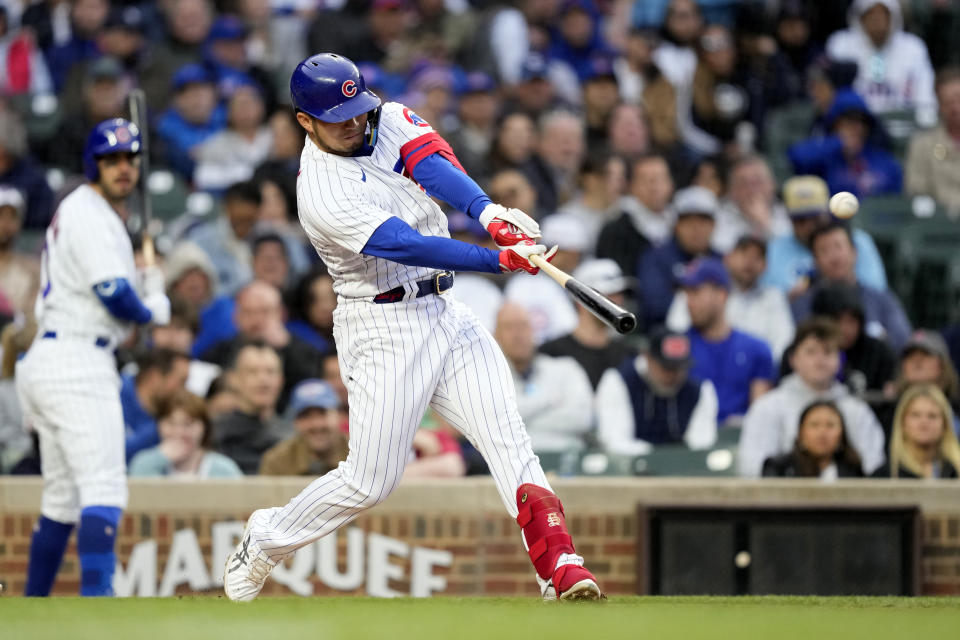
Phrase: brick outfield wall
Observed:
(487, 555)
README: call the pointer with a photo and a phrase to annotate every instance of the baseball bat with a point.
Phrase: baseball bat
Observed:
(592, 300)
(138, 114)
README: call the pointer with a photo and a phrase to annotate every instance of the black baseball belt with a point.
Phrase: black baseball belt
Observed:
(435, 284)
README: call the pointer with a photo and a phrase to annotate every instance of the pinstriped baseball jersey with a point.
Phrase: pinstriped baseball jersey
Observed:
(342, 201)
(86, 243)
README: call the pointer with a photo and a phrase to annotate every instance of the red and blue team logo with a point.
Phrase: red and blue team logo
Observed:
(123, 135)
(349, 88)
(414, 119)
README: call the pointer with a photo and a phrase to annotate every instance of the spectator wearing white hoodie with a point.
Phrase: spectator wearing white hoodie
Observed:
(770, 426)
(894, 67)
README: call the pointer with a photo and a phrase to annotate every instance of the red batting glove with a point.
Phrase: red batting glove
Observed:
(509, 227)
(505, 234)
(517, 258)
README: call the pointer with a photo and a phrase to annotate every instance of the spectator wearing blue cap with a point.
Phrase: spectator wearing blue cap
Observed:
(194, 117)
(761, 310)
(658, 268)
(652, 400)
(739, 365)
(225, 53)
(187, 25)
(533, 92)
(319, 443)
(577, 39)
(852, 157)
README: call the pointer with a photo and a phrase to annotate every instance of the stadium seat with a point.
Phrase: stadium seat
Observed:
(40, 113)
(168, 193)
(928, 270)
(785, 126)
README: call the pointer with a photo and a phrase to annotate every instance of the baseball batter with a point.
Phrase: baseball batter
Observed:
(67, 382)
(366, 176)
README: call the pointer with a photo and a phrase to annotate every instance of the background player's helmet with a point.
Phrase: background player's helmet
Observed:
(330, 88)
(110, 136)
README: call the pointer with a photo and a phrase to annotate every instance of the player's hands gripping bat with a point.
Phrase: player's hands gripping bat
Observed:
(517, 258)
(593, 301)
(509, 227)
(153, 288)
(138, 114)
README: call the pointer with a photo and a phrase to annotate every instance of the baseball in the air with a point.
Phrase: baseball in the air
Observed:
(844, 204)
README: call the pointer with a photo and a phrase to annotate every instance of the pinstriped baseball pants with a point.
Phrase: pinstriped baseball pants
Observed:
(396, 360)
(70, 394)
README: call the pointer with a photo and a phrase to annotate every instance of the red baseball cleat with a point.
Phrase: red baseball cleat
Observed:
(573, 582)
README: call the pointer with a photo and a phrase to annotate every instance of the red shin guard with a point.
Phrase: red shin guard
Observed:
(544, 527)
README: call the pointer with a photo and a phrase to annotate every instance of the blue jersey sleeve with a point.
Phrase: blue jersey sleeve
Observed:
(397, 241)
(121, 300)
(442, 180)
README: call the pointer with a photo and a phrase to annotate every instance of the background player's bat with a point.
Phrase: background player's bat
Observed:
(138, 114)
(592, 300)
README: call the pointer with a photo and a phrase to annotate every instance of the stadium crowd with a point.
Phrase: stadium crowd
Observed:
(680, 153)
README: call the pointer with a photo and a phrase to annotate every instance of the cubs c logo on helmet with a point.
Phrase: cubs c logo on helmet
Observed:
(349, 88)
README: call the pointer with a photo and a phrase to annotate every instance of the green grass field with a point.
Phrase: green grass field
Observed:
(778, 618)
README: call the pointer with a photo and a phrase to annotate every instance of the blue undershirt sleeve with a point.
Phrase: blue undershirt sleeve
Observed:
(121, 300)
(442, 180)
(397, 241)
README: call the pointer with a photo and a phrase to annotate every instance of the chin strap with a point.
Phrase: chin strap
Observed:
(373, 123)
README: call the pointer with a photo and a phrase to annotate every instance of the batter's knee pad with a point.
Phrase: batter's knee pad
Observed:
(544, 527)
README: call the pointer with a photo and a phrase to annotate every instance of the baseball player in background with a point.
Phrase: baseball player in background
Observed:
(367, 173)
(67, 382)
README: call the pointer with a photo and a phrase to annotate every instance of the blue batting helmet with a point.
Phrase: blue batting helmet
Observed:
(110, 136)
(330, 88)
